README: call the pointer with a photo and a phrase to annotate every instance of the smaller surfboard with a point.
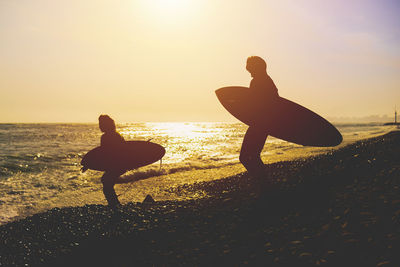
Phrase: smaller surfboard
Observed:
(279, 117)
(131, 155)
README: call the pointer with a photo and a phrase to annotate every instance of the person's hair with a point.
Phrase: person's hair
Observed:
(257, 62)
(106, 124)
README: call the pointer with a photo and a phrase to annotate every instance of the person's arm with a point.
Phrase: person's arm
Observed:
(106, 141)
(258, 85)
(111, 140)
(274, 89)
(252, 84)
(102, 140)
(264, 87)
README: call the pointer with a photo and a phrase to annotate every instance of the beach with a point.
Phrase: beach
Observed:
(339, 208)
(40, 163)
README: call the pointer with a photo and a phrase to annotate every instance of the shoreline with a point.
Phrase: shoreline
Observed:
(317, 210)
(25, 194)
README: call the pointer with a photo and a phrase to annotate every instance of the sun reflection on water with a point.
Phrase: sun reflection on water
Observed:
(191, 142)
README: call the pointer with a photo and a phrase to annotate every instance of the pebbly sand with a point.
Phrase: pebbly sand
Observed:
(341, 208)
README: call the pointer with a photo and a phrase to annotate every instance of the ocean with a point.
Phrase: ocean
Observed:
(40, 163)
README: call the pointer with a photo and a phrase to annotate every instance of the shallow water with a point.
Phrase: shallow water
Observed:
(40, 163)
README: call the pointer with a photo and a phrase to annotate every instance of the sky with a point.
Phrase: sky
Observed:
(162, 60)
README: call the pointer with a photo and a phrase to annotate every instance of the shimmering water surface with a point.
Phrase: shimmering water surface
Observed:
(40, 163)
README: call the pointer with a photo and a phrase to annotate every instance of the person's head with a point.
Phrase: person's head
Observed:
(256, 66)
(106, 124)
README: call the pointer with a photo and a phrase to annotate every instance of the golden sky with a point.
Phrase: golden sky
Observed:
(161, 60)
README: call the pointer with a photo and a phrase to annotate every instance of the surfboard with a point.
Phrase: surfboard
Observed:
(280, 117)
(131, 155)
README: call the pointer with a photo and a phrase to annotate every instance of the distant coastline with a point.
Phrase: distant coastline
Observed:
(367, 119)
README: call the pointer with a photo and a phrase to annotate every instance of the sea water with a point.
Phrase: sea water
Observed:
(40, 163)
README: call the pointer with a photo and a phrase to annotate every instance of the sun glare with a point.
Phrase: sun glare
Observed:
(178, 129)
(169, 11)
(169, 5)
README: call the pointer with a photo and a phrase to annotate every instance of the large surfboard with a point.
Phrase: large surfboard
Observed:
(131, 155)
(279, 117)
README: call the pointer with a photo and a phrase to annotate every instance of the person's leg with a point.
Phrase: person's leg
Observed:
(108, 180)
(260, 139)
(244, 156)
(253, 143)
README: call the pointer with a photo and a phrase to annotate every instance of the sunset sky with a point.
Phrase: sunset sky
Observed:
(161, 60)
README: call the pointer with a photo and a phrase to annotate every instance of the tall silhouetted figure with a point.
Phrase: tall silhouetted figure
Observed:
(261, 86)
(110, 140)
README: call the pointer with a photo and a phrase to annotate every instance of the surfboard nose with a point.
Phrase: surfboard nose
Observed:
(339, 139)
(336, 138)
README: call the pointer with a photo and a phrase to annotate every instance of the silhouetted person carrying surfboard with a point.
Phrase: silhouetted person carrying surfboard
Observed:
(111, 140)
(115, 156)
(266, 113)
(261, 87)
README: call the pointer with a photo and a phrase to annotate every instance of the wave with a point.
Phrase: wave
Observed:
(10, 168)
(140, 175)
(34, 163)
(154, 172)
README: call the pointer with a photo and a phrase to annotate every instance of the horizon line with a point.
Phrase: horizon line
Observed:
(127, 122)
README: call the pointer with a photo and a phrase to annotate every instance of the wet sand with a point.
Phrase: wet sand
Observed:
(337, 209)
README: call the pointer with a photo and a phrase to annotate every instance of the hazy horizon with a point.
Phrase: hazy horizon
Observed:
(365, 119)
(161, 60)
